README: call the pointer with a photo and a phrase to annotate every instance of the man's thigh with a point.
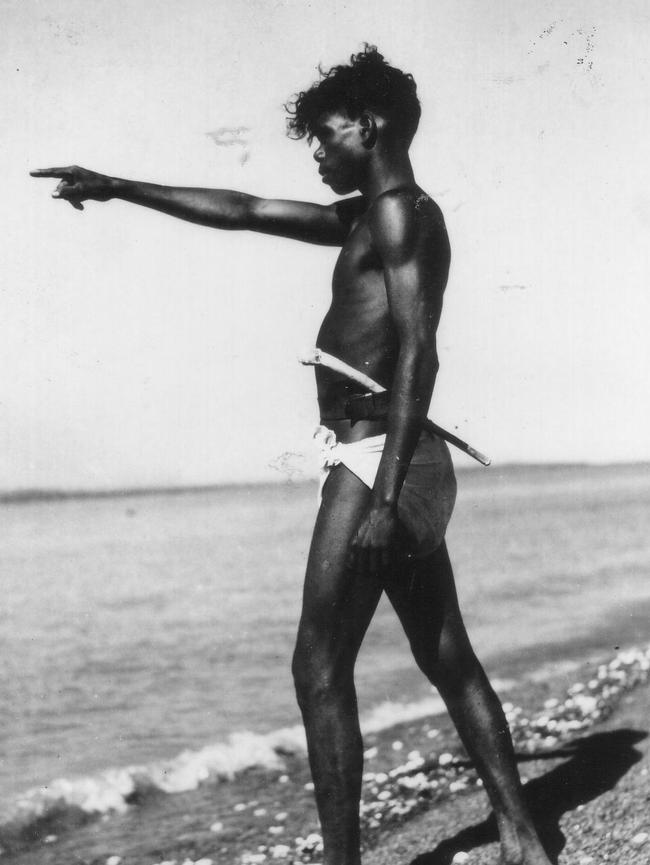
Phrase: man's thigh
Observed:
(338, 602)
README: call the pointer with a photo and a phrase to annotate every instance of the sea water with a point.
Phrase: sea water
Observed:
(135, 627)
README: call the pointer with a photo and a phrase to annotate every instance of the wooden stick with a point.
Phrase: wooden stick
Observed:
(316, 357)
(459, 443)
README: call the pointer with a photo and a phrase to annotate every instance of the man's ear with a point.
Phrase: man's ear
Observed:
(368, 127)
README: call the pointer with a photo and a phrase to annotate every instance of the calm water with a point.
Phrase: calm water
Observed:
(133, 627)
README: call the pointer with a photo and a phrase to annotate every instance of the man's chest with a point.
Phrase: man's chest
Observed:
(358, 264)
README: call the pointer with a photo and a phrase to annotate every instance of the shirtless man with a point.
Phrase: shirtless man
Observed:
(387, 293)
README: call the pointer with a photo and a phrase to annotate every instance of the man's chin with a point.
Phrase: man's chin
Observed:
(339, 188)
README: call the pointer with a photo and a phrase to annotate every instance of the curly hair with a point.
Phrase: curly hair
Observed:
(367, 83)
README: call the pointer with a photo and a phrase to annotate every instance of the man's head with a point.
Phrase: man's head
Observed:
(367, 84)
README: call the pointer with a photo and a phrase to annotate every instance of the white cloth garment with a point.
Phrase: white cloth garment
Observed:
(427, 498)
(361, 457)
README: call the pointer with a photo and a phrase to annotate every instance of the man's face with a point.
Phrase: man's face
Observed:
(340, 154)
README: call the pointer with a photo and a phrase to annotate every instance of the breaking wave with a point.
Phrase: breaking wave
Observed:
(73, 801)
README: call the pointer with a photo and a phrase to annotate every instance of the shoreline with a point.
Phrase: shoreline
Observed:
(110, 789)
(228, 823)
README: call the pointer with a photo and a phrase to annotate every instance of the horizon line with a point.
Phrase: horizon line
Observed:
(33, 494)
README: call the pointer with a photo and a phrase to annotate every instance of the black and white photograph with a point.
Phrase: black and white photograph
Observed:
(325, 432)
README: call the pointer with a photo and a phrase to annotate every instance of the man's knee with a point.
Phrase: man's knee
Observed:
(457, 667)
(313, 683)
(318, 675)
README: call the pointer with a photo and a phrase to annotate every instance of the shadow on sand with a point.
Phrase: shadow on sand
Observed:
(594, 765)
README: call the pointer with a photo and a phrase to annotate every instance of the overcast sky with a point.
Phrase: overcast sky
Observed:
(141, 350)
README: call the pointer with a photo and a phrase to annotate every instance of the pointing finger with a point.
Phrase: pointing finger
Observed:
(51, 172)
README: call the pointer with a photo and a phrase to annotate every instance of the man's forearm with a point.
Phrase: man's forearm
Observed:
(217, 208)
(410, 397)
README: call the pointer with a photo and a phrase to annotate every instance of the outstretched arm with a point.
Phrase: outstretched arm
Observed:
(216, 208)
(413, 246)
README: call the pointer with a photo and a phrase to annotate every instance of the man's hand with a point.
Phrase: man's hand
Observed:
(78, 184)
(377, 548)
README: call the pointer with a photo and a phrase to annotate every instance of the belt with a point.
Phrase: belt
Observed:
(341, 401)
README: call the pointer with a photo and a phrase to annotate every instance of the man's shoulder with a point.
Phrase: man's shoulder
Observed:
(404, 214)
(406, 201)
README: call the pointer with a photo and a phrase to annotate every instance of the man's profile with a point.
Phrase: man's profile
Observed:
(388, 485)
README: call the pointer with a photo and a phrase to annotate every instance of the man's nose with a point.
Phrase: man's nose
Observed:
(318, 154)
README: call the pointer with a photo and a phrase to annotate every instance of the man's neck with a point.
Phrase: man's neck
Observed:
(386, 173)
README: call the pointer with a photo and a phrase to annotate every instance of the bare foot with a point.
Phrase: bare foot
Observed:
(533, 855)
(522, 847)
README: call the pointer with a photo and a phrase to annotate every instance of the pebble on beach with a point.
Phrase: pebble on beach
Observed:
(425, 777)
(169, 861)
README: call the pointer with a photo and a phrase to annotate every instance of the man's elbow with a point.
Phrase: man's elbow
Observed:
(256, 213)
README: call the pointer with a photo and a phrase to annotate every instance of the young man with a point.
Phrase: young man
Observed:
(390, 487)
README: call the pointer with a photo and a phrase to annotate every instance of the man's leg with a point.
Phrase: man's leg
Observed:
(337, 608)
(427, 604)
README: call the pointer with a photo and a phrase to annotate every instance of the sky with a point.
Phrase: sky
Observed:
(139, 350)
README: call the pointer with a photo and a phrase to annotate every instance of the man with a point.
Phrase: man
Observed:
(387, 533)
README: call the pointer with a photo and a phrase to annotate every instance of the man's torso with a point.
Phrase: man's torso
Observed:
(358, 328)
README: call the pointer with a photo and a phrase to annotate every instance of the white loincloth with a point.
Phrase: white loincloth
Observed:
(427, 498)
(361, 457)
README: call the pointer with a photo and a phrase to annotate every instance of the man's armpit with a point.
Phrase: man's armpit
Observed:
(349, 209)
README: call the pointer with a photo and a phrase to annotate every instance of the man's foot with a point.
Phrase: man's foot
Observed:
(522, 847)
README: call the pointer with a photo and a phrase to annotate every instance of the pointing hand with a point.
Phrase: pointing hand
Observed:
(78, 184)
